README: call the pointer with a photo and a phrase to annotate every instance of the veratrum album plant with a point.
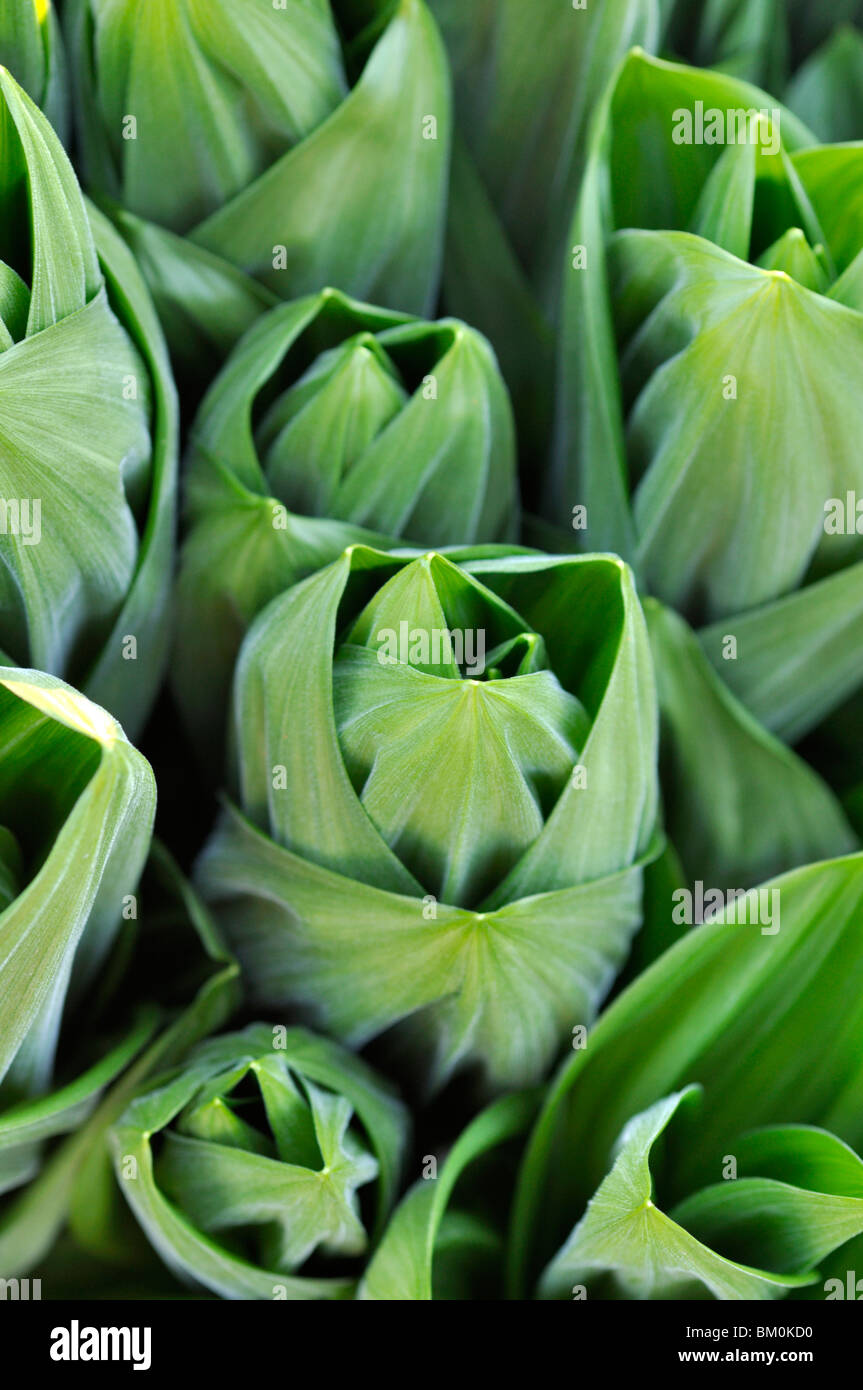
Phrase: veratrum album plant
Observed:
(705, 261)
(315, 151)
(460, 821)
(762, 1182)
(333, 423)
(431, 859)
(266, 1139)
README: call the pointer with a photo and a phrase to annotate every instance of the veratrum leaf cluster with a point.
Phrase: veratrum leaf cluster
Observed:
(431, 606)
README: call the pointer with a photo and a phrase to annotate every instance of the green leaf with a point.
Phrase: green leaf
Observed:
(651, 1254)
(740, 807)
(523, 114)
(26, 1126)
(245, 82)
(745, 37)
(525, 107)
(89, 440)
(69, 910)
(288, 185)
(793, 256)
(500, 987)
(205, 305)
(827, 91)
(130, 687)
(830, 175)
(708, 471)
(603, 657)
(348, 216)
(803, 1200)
(796, 658)
(499, 300)
(76, 1184)
(638, 176)
(724, 1008)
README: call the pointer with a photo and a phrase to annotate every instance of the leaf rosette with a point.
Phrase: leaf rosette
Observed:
(457, 822)
(268, 1158)
(89, 435)
(720, 296)
(332, 423)
(279, 148)
(76, 812)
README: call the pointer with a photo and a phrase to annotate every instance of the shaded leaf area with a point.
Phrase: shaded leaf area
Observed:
(523, 113)
(442, 1241)
(169, 983)
(812, 55)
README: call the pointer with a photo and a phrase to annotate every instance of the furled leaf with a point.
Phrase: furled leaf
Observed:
(287, 1184)
(492, 920)
(527, 78)
(334, 423)
(757, 811)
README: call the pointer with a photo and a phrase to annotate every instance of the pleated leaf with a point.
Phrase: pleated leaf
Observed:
(287, 183)
(360, 202)
(88, 444)
(492, 974)
(639, 175)
(526, 78)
